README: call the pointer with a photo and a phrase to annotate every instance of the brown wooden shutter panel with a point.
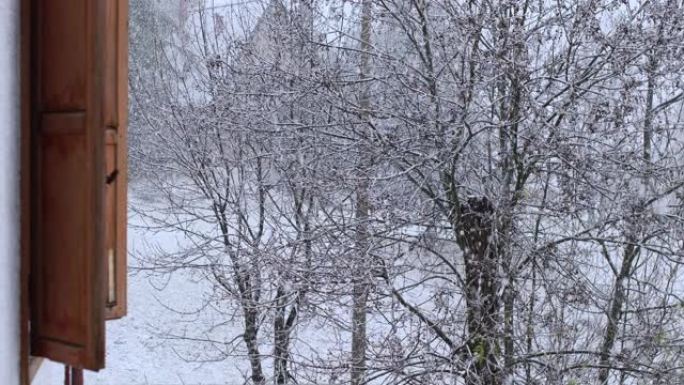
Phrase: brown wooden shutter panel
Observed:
(67, 183)
(115, 120)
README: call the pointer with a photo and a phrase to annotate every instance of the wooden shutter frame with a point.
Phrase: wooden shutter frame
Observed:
(46, 122)
(28, 364)
(116, 131)
(25, 375)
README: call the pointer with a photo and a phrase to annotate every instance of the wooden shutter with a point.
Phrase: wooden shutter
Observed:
(115, 114)
(68, 182)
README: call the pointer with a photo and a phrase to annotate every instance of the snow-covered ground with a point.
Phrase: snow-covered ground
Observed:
(136, 356)
(135, 352)
(141, 348)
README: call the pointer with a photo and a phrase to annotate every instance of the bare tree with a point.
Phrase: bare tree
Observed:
(454, 192)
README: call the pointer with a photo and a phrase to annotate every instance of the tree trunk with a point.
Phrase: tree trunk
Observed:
(250, 338)
(281, 343)
(620, 295)
(615, 312)
(361, 287)
(474, 227)
(358, 359)
(361, 284)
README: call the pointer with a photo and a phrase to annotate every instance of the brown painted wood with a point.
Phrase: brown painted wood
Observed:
(73, 376)
(111, 204)
(25, 242)
(76, 376)
(67, 182)
(122, 186)
(116, 120)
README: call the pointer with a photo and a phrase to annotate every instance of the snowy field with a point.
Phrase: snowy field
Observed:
(136, 353)
(134, 356)
(141, 348)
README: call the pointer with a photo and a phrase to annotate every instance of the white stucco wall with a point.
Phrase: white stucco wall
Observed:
(9, 192)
